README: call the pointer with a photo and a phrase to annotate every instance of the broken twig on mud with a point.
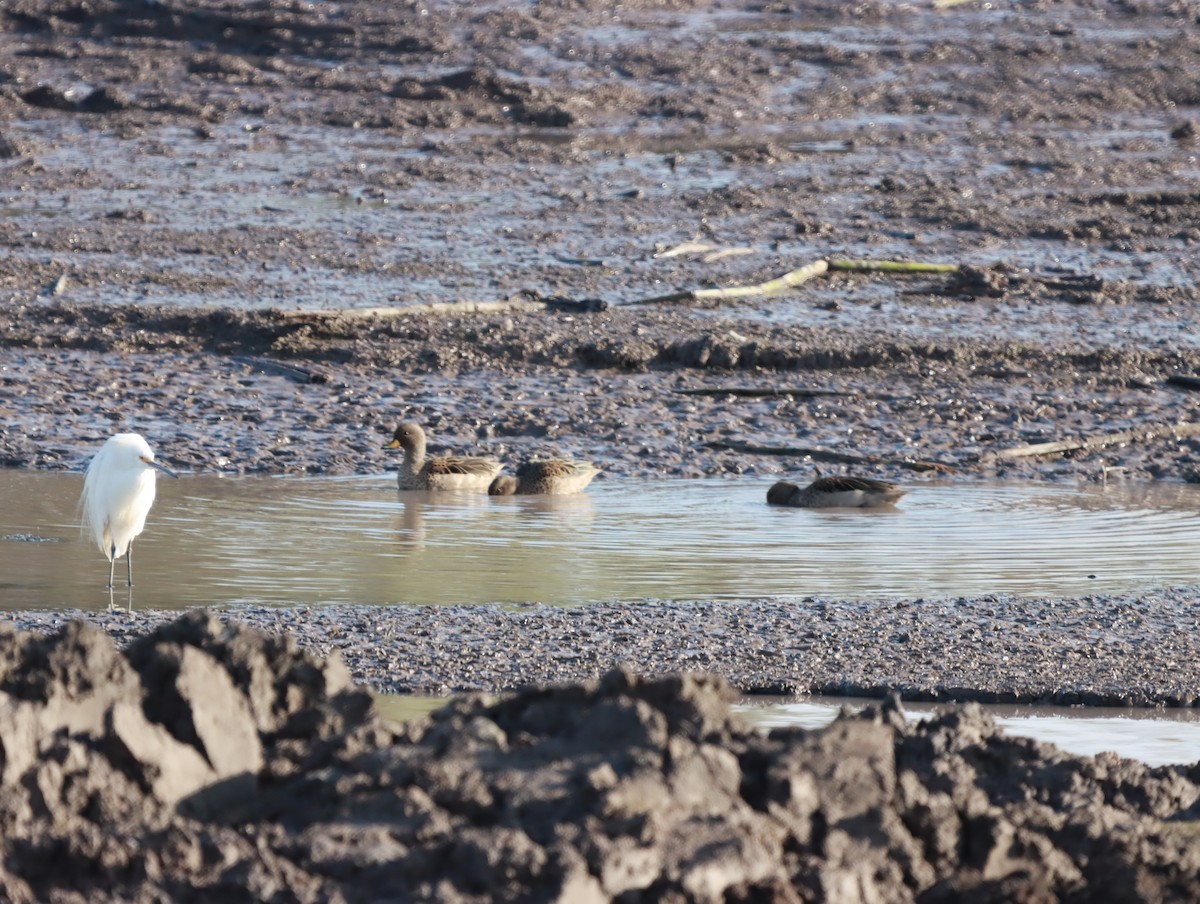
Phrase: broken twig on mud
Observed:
(686, 248)
(710, 253)
(519, 303)
(826, 455)
(1184, 381)
(790, 279)
(891, 266)
(764, 392)
(1178, 431)
(770, 287)
(291, 372)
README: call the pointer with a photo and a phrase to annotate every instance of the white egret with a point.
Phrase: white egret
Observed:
(118, 491)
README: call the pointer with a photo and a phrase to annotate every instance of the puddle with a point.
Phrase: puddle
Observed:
(1156, 737)
(407, 708)
(287, 541)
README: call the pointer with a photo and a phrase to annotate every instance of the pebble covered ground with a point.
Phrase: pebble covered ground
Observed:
(1102, 651)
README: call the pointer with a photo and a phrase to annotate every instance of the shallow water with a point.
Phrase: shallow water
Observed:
(255, 540)
(1155, 736)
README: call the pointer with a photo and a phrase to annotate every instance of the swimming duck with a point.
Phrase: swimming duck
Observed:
(553, 476)
(835, 492)
(440, 472)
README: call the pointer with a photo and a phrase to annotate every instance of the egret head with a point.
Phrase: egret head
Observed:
(129, 451)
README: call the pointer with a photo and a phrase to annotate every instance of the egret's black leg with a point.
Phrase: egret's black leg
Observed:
(129, 562)
(112, 562)
(112, 603)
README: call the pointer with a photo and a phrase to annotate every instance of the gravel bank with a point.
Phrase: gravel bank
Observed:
(1102, 651)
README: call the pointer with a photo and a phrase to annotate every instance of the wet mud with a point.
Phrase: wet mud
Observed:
(199, 205)
(207, 760)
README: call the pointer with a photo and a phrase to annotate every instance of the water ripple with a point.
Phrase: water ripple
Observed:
(356, 540)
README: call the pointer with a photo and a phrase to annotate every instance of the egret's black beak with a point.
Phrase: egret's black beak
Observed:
(154, 464)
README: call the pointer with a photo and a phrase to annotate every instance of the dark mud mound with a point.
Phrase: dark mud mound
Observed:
(210, 760)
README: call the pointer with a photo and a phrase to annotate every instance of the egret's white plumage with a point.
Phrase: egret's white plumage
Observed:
(118, 491)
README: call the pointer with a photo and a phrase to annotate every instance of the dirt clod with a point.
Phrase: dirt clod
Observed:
(122, 784)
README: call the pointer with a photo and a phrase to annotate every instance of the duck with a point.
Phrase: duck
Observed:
(835, 492)
(549, 477)
(439, 472)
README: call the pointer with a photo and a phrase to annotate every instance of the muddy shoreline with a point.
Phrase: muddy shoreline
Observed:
(199, 204)
(642, 393)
